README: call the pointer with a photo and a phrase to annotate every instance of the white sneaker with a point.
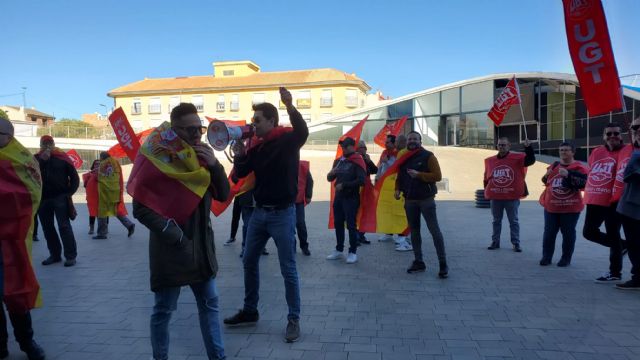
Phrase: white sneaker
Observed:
(400, 240)
(404, 247)
(335, 255)
(352, 258)
(385, 238)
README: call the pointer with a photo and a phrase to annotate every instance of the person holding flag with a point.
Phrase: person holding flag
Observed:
(305, 193)
(20, 194)
(418, 171)
(349, 173)
(273, 156)
(60, 181)
(90, 181)
(173, 181)
(110, 199)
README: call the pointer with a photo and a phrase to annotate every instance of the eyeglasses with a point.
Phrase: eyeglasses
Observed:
(193, 129)
(635, 127)
(613, 133)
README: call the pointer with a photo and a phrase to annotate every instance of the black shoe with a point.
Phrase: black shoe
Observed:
(305, 251)
(51, 260)
(265, 252)
(70, 262)
(493, 246)
(99, 237)
(545, 262)
(417, 266)
(33, 351)
(444, 270)
(629, 285)
(607, 278)
(517, 248)
(131, 229)
(563, 263)
(242, 317)
(292, 333)
(229, 242)
(35, 238)
(91, 231)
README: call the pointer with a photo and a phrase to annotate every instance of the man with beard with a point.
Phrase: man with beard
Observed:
(416, 181)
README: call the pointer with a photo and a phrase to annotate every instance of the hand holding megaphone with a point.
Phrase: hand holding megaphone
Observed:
(220, 135)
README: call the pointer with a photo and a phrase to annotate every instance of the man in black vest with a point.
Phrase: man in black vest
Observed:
(416, 180)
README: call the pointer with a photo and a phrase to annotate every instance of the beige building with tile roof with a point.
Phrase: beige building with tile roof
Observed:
(229, 93)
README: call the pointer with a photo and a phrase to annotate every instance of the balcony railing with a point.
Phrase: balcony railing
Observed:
(220, 106)
(136, 109)
(78, 132)
(155, 109)
(303, 103)
(235, 106)
(351, 101)
(326, 102)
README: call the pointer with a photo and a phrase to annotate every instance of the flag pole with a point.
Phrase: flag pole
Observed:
(523, 122)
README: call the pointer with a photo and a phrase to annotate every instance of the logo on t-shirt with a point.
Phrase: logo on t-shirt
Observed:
(557, 190)
(601, 172)
(503, 175)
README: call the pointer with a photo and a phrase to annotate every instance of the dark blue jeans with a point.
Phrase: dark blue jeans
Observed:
(632, 233)
(58, 208)
(279, 225)
(498, 208)
(246, 212)
(301, 226)
(345, 210)
(565, 223)
(593, 218)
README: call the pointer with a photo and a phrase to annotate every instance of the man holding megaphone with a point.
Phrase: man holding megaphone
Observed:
(272, 155)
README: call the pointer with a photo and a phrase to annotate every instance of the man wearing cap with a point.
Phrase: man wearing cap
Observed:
(59, 182)
(348, 172)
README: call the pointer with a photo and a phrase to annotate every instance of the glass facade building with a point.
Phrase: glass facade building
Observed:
(456, 114)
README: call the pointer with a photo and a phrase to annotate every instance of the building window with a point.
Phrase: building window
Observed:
(228, 73)
(351, 98)
(257, 98)
(326, 99)
(136, 108)
(235, 102)
(220, 103)
(173, 102)
(155, 106)
(198, 102)
(303, 99)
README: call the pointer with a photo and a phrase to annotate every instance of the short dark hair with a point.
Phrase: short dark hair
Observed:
(414, 132)
(269, 111)
(612, 125)
(181, 110)
(569, 144)
(391, 138)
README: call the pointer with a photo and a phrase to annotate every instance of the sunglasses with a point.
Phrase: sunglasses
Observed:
(4, 133)
(193, 129)
(613, 133)
(635, 127)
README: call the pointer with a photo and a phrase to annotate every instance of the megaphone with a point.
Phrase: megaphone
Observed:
(220, 135)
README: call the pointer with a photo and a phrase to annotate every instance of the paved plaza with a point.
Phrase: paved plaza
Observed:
(495, 304)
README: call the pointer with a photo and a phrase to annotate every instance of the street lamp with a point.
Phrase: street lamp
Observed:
(106, 110)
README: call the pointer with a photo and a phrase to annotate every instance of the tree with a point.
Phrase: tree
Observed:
(3, 115)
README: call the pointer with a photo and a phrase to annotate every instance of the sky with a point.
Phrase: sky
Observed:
(69, 54)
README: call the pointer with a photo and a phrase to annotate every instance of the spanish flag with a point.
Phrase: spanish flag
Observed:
(167, 176)
(109, 187)
(20, 194)
(390, 215)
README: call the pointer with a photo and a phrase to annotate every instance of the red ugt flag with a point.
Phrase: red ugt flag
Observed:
(592, 56)
(510, 95)
(393, 128)
(75, 158)
(124, 133)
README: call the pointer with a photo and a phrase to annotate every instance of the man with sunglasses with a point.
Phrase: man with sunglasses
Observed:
(273, 156)
(629, 208)
(504, 185)
(598, 196)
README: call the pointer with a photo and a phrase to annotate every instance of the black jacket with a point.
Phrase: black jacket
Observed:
(58, 177)
(371, 167)
(275, 165)
(174, 262)
(416, 188)
(350, 175)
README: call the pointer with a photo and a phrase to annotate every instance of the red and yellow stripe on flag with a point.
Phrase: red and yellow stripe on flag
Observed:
(109, 175)
(20, 194)
(390, 215)
(243, 185)
(167, 176)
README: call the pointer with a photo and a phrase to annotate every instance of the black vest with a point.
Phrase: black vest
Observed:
(414, 188)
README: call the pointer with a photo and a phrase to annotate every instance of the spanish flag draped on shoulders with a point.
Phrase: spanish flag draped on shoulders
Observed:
(20, 194)
(110, 189)
(167, 176)
(390, 214)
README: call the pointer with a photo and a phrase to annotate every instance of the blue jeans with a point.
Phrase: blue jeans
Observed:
(511, 208)
(566, 223)
(346, 210)
(166, 301)
(280, 225)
